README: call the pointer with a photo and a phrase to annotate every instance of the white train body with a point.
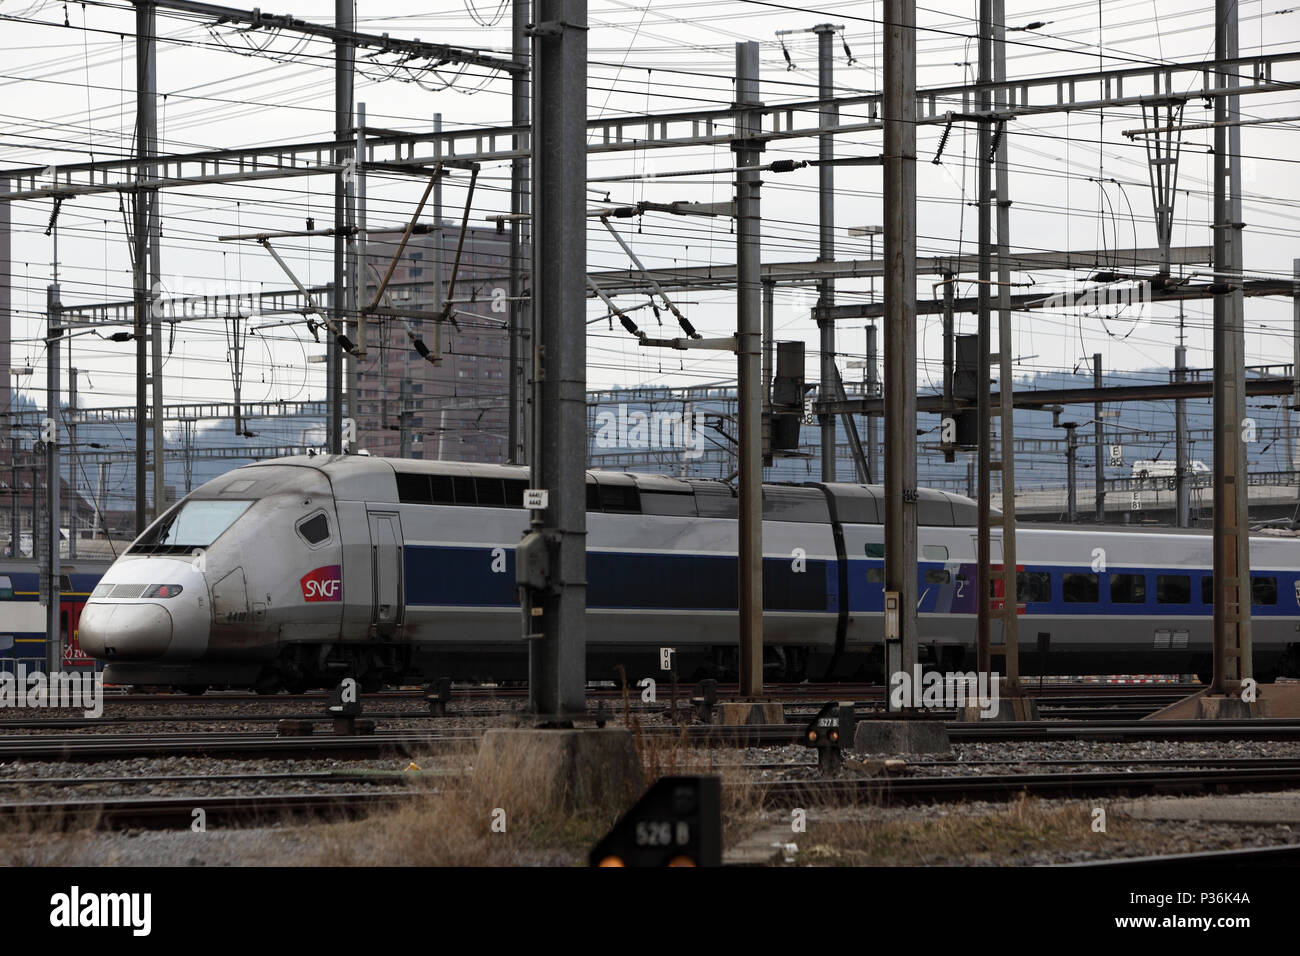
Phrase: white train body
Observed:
(297, 571)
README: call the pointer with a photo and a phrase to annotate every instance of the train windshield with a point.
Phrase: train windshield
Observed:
(194, 524)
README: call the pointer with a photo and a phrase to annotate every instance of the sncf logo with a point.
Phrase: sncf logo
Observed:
(323, 584)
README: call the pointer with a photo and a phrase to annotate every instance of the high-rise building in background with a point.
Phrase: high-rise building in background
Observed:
(456, 409)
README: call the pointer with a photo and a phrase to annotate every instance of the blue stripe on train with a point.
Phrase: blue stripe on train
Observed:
(957, 596)
(463, 577)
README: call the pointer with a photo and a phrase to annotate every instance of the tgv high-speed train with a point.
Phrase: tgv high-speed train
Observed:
(295, 572)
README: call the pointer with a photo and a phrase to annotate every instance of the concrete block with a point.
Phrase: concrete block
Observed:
(1008, 709)
(560, 769)
(744, 713)
(1230, 708)
(901, 737)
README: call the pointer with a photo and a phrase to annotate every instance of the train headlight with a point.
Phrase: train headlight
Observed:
(163, 591)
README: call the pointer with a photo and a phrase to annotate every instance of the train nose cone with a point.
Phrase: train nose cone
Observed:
(125, 632)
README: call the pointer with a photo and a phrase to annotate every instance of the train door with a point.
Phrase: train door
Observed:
(386, 573)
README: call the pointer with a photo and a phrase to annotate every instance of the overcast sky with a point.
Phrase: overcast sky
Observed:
(1076, 181)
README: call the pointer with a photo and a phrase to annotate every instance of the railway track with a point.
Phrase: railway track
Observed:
(52, 746)
(250, 810)
(1287, 854)
(1159, 694)
(889, 791)
(1101, 710)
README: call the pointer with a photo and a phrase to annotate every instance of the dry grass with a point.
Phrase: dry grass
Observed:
(742, 795)
(487, 817)
(1023, 828)
(45, 836)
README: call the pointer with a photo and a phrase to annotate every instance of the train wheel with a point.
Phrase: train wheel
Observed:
(268, 682)
(195, 690)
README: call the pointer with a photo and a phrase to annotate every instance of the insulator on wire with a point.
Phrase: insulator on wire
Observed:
(847, 52)
(789, 63)
(943, 141)
(997, 140)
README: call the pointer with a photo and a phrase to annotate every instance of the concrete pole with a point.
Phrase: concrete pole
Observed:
(769, 333)
(15, 521)
(1099, 441)
(73, 499)
(6, 313)
(557, 661)
(873, 387)
(1006, 416)
(984, 439)
(1182, 498)
(1071, 457)
(769, 346)
(357, 273)
(900, 325)
(749, 371)
(145, 126)
(438, 290)
(404, 420)
(343, 66)
(520, 326)
(53, 644)
(1294, 463)
(148, 100)
(949, 343)
(1232, 636)
(828, 389)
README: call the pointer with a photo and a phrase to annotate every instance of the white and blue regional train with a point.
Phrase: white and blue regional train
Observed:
(295, 572)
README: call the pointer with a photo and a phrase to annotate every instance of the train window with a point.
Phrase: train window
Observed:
(515, 492)
(6, 588)
(1207, 590)
(934, 552)
(1033, 587)
(463, 490)
(875, 549)
(6, 642)
(619, 499)
(1263, 590)
(1173, 589)
(1079, 587)
(491, 494)
(413, 489)
(193, 524)
(65, 584)
(440, 490)
(593, 497)
(876, 575)
(937, 577)
(714, 499)
(315, 530)
(1128, 589)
